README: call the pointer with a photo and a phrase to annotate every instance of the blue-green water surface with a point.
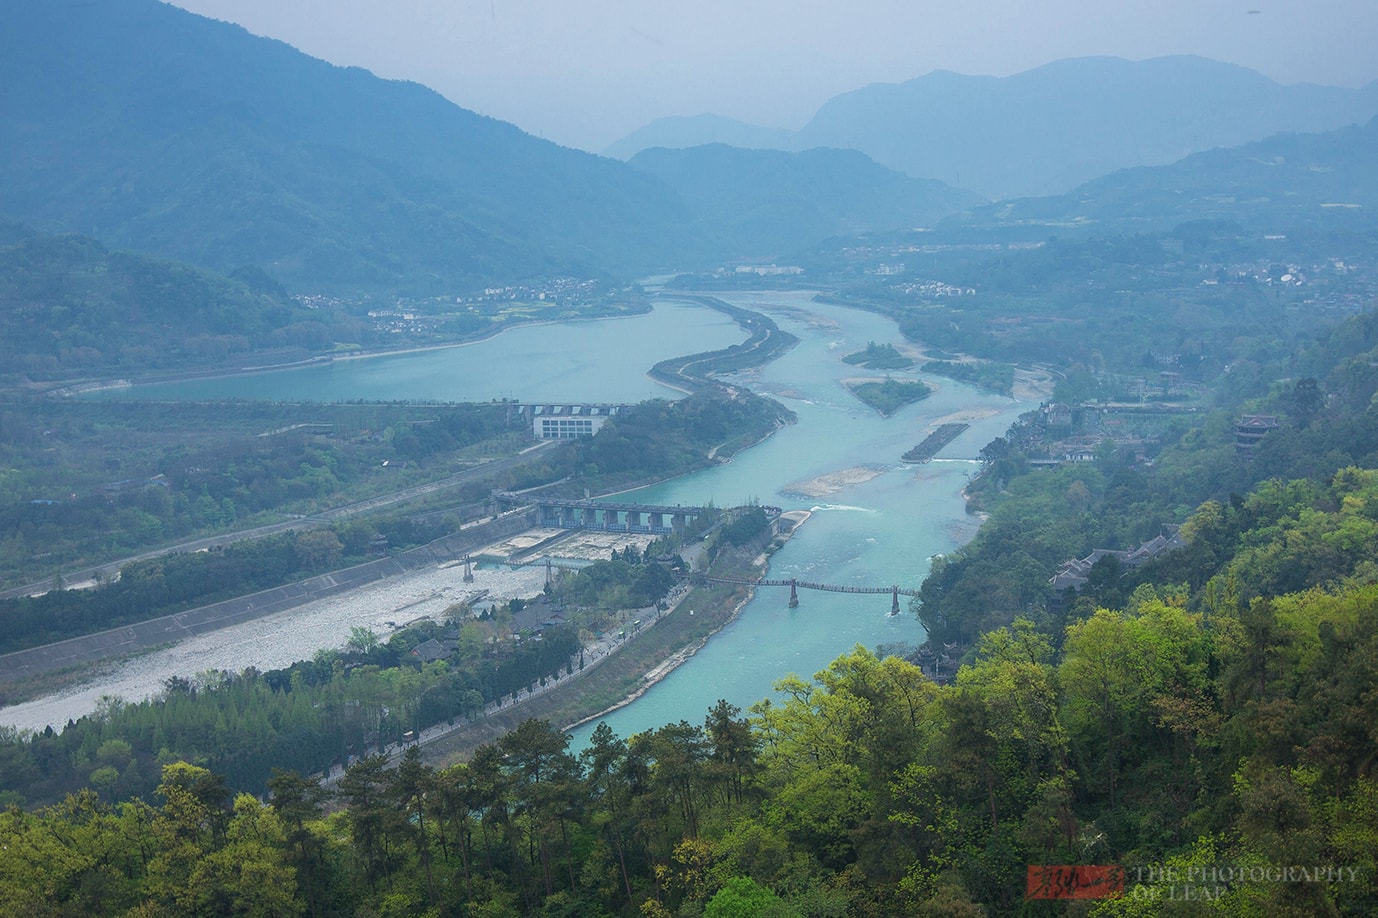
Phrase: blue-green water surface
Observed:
(878, 532)
(880, 529)
(596, 361)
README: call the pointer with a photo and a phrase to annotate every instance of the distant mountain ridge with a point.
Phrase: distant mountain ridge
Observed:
(1052, 128)
(151, 129)
(770, 203)
(1325, 181)
(154, 129)
(679, 132)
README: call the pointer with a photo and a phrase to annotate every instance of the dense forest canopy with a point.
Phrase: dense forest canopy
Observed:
(71, 307)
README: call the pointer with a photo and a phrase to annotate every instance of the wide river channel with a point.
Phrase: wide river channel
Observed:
(876, 520)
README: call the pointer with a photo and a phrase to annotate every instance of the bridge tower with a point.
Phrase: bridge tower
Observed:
(894, 600)
(468, 571)
(793, 594)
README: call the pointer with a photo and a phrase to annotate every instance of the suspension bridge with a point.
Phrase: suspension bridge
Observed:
(795, 585)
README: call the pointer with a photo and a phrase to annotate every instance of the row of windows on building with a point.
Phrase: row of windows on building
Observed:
(565, 428)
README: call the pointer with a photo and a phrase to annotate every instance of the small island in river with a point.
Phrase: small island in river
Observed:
(889, 395)
(879, 357)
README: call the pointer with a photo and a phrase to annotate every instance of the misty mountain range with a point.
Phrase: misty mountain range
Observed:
(152, 129)
(796, 199)
(1288, 182)
(1046, 130)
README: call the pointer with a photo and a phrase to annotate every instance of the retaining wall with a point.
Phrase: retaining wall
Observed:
(170, 628)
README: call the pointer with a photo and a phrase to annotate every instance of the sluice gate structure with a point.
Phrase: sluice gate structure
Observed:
(604, 515)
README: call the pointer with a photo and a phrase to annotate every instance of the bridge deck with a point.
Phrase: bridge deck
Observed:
(806, 585)
(590, 504)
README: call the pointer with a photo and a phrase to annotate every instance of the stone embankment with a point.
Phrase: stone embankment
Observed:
(935, 441)
(692, 373)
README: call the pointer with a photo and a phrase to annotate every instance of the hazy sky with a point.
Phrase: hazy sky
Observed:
(586, 72)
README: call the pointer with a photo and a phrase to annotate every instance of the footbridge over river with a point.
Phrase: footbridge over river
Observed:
(795, 585)
(603, 515)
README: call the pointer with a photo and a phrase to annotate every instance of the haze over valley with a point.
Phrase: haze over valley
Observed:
(940, 482)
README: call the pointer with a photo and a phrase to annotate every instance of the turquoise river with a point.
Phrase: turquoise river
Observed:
(876, 521)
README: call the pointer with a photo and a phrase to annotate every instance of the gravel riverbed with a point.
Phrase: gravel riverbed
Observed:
(277, 641)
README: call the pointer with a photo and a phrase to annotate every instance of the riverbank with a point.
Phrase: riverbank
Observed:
(568, 712)
(619, 678)
(659, 672)
(85, 387)
(687, 374)
(1033, 385)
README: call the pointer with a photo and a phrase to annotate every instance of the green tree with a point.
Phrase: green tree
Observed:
(1305, 401)
(609, 788)
(370, 819)
(247, 875)
(298, 801)
(362, 641)
(319, 550)
(733, 757)
(544, 776)
(743, 897)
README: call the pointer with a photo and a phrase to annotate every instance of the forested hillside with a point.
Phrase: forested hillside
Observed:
(1223, 738)
(1322, 185)
(69, 308)
(153, 129)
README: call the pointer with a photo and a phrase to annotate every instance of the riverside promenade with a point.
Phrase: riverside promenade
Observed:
(594, 656)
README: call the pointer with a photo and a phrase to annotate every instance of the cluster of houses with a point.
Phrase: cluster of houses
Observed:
(534, 617)
(932, 289)
(1072, 575)
(561, 289)
(771, 270)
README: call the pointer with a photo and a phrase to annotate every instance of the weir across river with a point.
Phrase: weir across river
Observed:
(607, 516)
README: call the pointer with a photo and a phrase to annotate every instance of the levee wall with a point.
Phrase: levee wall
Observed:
(170, 628)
